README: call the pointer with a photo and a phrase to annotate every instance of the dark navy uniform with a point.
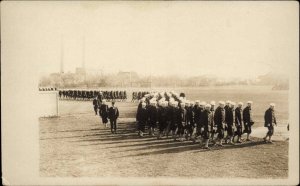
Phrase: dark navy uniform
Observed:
(198, 110)
(238, 122)
(190, 120)
(175, 114)
(113, 114)
(207, 122)
(229, 121)
(162, 118)
(103, 112)
(270, 120)
(219, 120)
(248, 122)
(142, 117)
(182, 120)
(95, 104)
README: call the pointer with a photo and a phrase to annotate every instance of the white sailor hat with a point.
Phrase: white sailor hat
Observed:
(240, 103)
(228, 102)
(213, 103)
(207, 106)
(249, 102)
(197, 101)
(153, 100)
(192, 102)
(272, 104)
(221, 102)
(232, 103)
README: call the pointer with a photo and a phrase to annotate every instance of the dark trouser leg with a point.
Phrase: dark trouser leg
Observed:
(220, 134)
(95, 109)
(111, 125)
(168, 128)
(142, 126)
(205, 137)
(115, 125)
(270, 132)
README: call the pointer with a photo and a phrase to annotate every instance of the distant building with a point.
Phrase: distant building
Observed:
(80, 71)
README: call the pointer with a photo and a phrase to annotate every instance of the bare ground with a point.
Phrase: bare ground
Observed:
(78, 145)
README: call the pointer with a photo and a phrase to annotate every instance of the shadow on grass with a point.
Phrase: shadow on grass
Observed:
(182, 147)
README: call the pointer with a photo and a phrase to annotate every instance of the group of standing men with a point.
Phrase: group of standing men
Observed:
(106, 113)
(183, 119)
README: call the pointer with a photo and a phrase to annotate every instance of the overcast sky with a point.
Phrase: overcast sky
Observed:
(232, 39)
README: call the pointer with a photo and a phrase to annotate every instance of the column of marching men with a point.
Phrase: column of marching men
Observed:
(171, 114)
(112, 95)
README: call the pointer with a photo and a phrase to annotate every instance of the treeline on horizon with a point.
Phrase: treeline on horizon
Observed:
(74, 80)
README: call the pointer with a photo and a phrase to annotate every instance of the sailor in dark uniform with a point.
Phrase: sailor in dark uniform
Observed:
(190, 120)
(212, 128)
(152, 110)
(248, 121)
(142, 116)
(175, 115)
(229, 118)
(162, 118)
(113, 114)
(182, 121)
(238, 122)
(95, 105)
(103, 112)
(219, 121)
(207, 122)
(270, 121)
(197, 117)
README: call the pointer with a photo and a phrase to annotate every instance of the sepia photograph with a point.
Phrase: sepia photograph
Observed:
(150, 92)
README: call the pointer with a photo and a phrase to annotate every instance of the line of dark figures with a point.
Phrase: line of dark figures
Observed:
(47, 89)
(91, 94)
(169, 113)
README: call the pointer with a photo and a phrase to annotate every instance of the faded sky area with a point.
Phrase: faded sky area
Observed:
(232, 39)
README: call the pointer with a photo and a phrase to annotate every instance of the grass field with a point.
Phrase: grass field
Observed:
(76, 144)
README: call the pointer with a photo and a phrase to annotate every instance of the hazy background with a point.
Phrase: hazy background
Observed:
(157, 38)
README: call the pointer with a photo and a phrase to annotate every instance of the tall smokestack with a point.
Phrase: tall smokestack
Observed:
(61, 55)
(83, 52)
(83, 57)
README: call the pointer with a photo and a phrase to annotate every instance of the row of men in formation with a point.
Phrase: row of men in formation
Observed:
(90, 94)
(47, 89)
(188, 120)
(141, 94)
(138, 95)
